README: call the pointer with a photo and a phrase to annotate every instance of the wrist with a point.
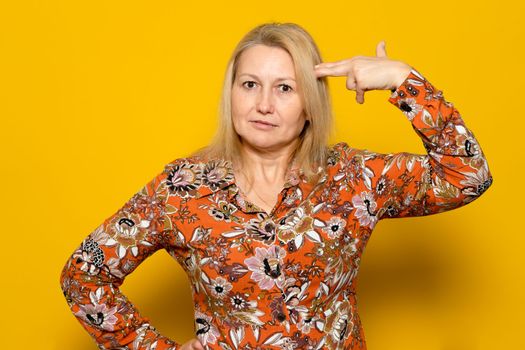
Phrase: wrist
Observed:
(401, 73)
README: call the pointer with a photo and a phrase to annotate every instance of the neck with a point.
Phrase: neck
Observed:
(265, 167)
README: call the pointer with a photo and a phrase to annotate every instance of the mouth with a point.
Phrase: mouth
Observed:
(262, 122)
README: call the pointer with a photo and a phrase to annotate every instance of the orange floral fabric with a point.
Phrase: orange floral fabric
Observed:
(279, 280)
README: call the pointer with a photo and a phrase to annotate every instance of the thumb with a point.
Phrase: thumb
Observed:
(380, 49)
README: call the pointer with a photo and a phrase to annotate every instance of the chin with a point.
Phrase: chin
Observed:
(265, 144)
(264, 141)
(262, 144)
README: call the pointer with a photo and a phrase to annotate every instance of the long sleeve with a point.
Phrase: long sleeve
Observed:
(92, 275)
(454, 171)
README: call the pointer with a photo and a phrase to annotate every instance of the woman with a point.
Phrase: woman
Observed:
(268, 221)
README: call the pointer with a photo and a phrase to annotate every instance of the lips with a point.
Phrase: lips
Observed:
(262, 122)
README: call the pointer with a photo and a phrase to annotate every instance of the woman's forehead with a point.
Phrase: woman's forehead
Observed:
(263, 60)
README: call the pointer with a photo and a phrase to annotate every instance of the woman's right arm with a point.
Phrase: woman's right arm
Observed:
(94, 272)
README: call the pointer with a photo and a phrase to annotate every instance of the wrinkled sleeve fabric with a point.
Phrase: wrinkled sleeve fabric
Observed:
(454, 171)
(92, 275)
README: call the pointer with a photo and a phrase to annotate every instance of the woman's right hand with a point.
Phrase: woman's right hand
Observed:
(193, 344)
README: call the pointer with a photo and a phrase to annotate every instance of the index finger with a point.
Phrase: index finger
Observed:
(335, 63)
(334, 70)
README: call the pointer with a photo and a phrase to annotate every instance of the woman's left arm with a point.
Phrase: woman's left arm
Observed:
(452, 173)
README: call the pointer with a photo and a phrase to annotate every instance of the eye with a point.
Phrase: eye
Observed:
(249, 84)
(285, 88)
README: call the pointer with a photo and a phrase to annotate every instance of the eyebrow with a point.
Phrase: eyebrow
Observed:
(256, 77)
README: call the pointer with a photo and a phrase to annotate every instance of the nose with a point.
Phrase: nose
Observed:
(265, 103)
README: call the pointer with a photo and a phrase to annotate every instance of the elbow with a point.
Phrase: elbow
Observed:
(484, 180)
(71, 278)
(65, 279)
(475, 186)
(476, 182)
(485, 185)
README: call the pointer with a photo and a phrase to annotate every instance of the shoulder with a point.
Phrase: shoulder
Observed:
(342, 153)
(195, 176)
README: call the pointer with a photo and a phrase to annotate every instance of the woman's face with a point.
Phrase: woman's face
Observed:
(267, 109)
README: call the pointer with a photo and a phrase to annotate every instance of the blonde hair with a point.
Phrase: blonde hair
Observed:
(311, 151)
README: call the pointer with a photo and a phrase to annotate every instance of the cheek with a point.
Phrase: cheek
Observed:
(296, 117)
(239, 105)
(238, 111)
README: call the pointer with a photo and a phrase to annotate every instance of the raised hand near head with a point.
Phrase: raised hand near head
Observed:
(365, 73)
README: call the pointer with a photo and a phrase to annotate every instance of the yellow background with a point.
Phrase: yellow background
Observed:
(96, 96)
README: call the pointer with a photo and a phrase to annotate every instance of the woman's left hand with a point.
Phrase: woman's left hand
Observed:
(367, 72)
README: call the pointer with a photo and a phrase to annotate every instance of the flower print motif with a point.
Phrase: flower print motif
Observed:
(465, 141)
(90, 255)
(383, 186)
(99, 236)
(240, 311)
(380, 186)
(468, 145)
(98, 315)
(306, 323)
(409, 107)
(184, 179)
(72, 290)
(296, 225)
(220, 287)
(243, 311)
(365, 206)
(277, 309)
(126, 230)
(118, 270)
(348, 173)
(294, 175)
(192, 266)
(476, 182)
(287, 234)
(293, 267)
(261, 229)
(447, 141)
(391, 208)
(238, 302)
(319, 251)
(355, 171)
(288, 343)
(334, 227)
(266, 267)
(293, 297)
(293, 197)
(338, 323)
(408, 199)
(215, 174)
(206, 331)
(302, 223)
(334, 155)
(233, 271)
(350, 245)
(224, 211)
(151, 207)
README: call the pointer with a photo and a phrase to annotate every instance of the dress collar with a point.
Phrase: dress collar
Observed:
(218, 174)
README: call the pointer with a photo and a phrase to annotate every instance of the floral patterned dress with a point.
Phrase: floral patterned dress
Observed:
(283, 280)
